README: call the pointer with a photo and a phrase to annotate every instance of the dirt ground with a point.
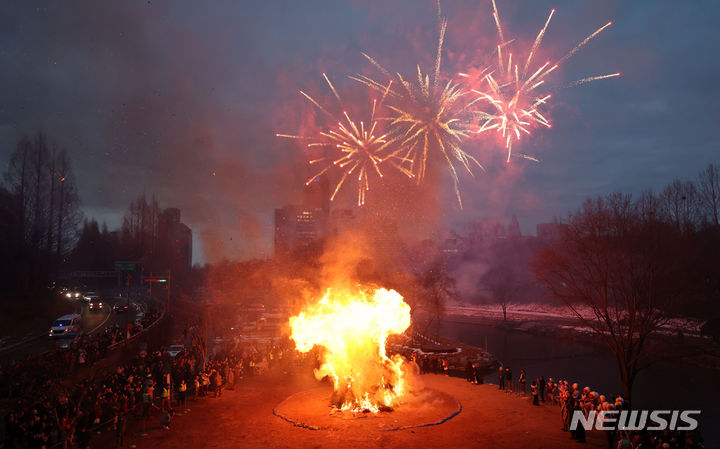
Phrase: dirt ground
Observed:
(244, 418)
(309, 408)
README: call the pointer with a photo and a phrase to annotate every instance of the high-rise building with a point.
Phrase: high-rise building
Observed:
(341, 221)
(175, 240)
(298, 227)
(310, 226)
(513, 228)
(385, 238)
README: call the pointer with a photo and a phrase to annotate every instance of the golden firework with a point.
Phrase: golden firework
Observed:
(428, 116)
(358, 150)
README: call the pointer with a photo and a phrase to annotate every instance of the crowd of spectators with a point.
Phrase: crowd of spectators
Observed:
(48, 414)
(570, 398)
(50, 398)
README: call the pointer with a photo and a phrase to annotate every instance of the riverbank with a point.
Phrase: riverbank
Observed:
(680, 337)
(556, 315)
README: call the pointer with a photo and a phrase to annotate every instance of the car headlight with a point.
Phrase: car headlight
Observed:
(68, 295)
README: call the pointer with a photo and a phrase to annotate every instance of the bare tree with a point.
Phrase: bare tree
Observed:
(504, 283)
(619, 272)
(62, 199)
(51, 213)
(11, 242)
(648, 205)
(42, 183)
(709, 194)
(68, 216)
(437, 288)
(679, 205)
(508, 277)
(18, 183)
(39, 200)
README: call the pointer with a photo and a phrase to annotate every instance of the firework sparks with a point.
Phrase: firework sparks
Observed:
(357, 149)
(592, 78)
(513, 92)
(432, 117)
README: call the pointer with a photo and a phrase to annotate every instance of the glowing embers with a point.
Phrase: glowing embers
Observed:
(352, 328)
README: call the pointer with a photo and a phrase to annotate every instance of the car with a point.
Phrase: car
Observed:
(174, 350)
(73, 294)
(69, 339)
(95, 304)
(89, 296)
(120, 306)
(65, 324)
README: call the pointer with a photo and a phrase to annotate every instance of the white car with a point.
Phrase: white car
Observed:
(65, 324)
(90, 296)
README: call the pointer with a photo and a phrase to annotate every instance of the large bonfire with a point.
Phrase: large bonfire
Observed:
(352, 327)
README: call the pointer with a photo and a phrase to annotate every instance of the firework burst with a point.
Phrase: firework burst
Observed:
(512, 91)
(358, 150)
(430, 117)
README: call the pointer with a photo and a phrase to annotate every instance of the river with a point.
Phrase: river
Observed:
(663, 386)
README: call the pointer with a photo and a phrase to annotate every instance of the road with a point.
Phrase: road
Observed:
(92, 322)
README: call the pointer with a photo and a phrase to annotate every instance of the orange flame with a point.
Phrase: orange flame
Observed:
(352, 327)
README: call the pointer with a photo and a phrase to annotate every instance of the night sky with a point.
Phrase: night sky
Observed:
(183, 99)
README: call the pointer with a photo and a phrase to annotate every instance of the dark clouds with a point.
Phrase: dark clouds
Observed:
(183, 98)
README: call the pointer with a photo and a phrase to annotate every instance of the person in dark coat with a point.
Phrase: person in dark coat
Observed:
(501, 379)
(166, 418)
(477, 374)
(534, 392)
(579, 430)
(541, 388)
(120, 429)
(508, 378)
(469, 371)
